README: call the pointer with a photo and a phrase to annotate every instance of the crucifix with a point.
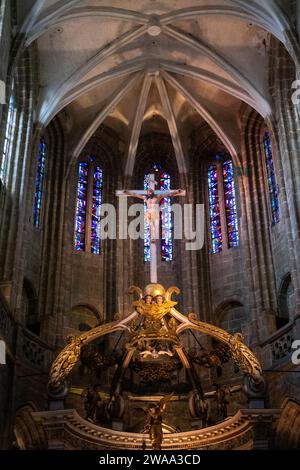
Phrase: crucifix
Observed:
(152, 199)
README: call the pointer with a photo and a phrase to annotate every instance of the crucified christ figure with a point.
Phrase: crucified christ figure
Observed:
(153, 199)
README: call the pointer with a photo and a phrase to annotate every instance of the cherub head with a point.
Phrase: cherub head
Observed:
(148, 299)
(159, 299)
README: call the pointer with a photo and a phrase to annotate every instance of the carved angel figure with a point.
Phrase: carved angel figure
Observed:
(155, 310)
(153, 423)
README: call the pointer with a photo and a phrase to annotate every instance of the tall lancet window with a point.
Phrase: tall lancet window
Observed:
(222, 205)
(88, 207)
(80, 224)
(214, 210)
(271, 177)
(8, 137)
(230, 204)
(163, 181)
(147, 233)
(96, 209)
(166, 219)
(39, 183)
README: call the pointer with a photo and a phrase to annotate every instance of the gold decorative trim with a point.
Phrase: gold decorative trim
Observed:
(154, 312)
(69, 356)
(61, 425)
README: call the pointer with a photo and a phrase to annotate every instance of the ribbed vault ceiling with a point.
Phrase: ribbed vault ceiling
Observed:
(142, 65)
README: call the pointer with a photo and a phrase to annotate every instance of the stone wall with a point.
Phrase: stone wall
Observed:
(5, 43)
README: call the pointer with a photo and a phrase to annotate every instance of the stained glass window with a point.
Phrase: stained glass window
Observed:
(81, 207)
(214, 210)
(272, 184)
(164, 184)
(230, 204)
(8, 139)
(88, 207)
(39, 183)
(166, 219)
(96, 209)
(147, 234)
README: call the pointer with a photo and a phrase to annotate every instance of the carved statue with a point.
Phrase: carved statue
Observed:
(153, 423)
(91, 402)
(221, 400)
(152, 202)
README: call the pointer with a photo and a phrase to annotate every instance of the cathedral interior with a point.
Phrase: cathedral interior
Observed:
(115, 342)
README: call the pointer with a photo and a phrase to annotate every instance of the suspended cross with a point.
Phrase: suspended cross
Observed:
(152, 199)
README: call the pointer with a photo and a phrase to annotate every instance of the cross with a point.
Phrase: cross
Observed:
(152, 199)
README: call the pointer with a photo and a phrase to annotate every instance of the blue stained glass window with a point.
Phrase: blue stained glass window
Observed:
(272, 184)
(96, 209)
(8, 139)
(39, 183)
(147, 234)
(81, 207)
(230, 204)
(164, 184)
(166, 219)
(214, 210)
